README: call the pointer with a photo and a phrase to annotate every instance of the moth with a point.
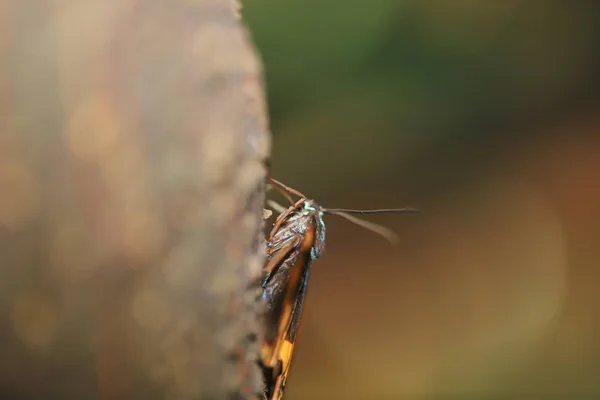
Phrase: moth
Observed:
(295, 241)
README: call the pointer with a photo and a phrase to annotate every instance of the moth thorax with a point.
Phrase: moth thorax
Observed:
(308, 238)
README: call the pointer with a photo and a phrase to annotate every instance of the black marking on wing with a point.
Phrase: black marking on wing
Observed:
(297, 313)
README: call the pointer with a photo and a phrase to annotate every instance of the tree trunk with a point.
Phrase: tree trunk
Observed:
(133, 136)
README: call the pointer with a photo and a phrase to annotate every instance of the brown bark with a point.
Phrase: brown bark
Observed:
(133, 136)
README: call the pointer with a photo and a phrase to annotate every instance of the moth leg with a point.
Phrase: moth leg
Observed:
(283, 216)
(276, 206)
(280, 220)
(283, 192)
(289, 189)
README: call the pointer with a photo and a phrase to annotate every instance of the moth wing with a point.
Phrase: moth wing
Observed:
(281, 292)
(282, 251)
(286, 348)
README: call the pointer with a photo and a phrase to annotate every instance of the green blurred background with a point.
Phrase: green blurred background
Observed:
(485, 116)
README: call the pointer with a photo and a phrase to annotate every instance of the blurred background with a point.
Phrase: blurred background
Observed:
(485, 115)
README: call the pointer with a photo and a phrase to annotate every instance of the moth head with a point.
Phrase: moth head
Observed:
(310, 207)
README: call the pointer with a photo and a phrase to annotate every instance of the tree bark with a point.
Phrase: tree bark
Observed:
(133, 136)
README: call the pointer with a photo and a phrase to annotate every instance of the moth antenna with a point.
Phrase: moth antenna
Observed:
(287, 188)
(407, 210)
(386, 233)
(276, 206)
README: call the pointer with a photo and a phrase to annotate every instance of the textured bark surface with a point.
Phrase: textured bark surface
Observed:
(133, 136)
